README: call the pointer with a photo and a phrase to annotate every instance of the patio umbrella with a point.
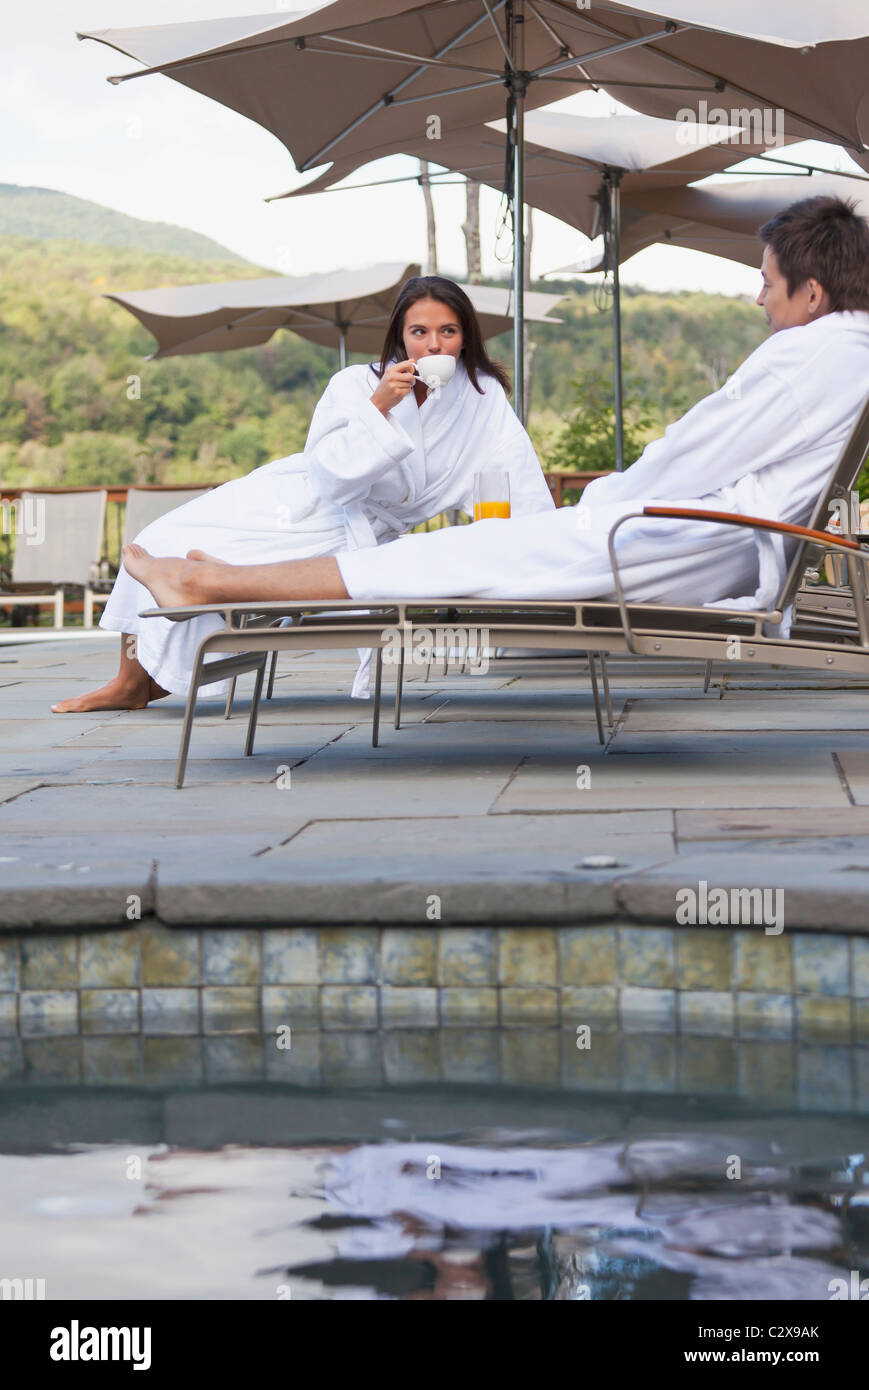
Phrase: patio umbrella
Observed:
(347, 309)
(382, 62)
(720, 219)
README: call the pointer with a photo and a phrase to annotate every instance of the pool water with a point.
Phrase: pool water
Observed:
(427, 1194)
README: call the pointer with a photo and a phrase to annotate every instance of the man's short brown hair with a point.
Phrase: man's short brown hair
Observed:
(823, 239)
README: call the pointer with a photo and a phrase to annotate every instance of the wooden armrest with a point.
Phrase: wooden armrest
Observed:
(757, 522)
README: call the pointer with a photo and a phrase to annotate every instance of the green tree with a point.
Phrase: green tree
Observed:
(588, 440)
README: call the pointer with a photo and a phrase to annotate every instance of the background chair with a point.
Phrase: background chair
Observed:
(58, 542)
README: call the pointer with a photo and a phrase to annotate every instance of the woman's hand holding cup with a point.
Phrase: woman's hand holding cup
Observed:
(396, 382)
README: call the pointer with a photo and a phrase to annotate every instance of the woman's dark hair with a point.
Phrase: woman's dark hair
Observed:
(823, 239)
(473, 353)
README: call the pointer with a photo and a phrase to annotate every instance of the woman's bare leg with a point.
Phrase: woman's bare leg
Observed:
(181, 583)
(132, 687)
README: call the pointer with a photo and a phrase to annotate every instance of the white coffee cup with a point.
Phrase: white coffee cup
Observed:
(437, 369)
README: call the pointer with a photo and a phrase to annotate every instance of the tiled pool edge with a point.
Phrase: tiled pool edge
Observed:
(695, 1009)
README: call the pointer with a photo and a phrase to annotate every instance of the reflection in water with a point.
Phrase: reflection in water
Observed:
(655, 1219)
(497, 1215)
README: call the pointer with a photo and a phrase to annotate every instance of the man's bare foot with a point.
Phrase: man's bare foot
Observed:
(118, 694)
(172, 582)
(204, 555)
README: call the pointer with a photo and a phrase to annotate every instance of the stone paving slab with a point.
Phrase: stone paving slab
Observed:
(489, 797)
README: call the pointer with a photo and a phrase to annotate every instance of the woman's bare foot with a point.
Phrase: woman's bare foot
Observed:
(118, 694)
(172, 582)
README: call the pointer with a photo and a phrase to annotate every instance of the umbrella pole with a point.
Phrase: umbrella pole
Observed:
(518, 86)
(613, 178)
(342, 349)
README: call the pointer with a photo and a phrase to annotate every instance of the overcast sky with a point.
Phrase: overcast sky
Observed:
(155, 150)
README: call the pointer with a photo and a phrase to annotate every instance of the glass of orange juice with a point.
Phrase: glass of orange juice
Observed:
(491, 494)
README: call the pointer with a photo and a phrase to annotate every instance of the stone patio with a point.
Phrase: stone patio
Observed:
(486, 806)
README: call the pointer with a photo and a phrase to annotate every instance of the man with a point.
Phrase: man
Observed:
(763, 445)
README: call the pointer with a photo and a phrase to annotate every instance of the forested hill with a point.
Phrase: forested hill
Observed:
(69, 412)
(44, 214)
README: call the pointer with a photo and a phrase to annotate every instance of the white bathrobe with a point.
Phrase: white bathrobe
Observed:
(363, 478)
(764, 445)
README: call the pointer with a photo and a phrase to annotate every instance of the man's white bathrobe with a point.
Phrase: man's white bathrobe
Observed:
(764, 445)
(363, 478)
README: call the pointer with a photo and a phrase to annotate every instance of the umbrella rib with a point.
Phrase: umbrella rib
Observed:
(622, 47)
(396, 55)
(389, 98)
(556, 38)
(499, 36)
(433, 96)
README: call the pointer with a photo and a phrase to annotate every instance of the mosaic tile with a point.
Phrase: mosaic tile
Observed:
(707, 1065)
(295, 1006)
(648, 1063)
(765, 1015)
(647, 956)
(588, 956)
(704, 959)
(348, 955)
(109, 959)
(471, 1057)
(173, 1061)
(411, 1057)
(824, 1077)
(110, 1011)
(648, 1010)
(527, 956)
(596, 1005)
(821, 964)
(349, 1006)
(230, 957)
(764, 962)
(290, 956)
(230, 1009)
(298, 1064)
(408, 1008)
(351, 1059)
(860, 966)
(471, 1007)
(170, 1012)
(112, 1061)
(823, 1019)
(467, 956)
(49, 962)
(43, 1012)
(169, 957)
(708, 1011)
(529, 1006)
(594, 1068)
(10, 963)
(50, 1060)
(408, 956)
(767, 1071)
(530, 1057)
(233, 1059)
(11, 1059)
(8, 1015)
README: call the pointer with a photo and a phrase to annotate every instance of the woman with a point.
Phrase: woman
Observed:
(382, 455)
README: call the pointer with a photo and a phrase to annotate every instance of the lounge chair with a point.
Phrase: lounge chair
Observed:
(58, 542)
(589, 627)
(144, 505)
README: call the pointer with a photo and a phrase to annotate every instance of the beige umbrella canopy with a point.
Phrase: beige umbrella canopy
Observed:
(346, 309)
(720, 219)
(346, 77)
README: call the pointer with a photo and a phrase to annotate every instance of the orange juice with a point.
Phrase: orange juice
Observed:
(484, 510)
